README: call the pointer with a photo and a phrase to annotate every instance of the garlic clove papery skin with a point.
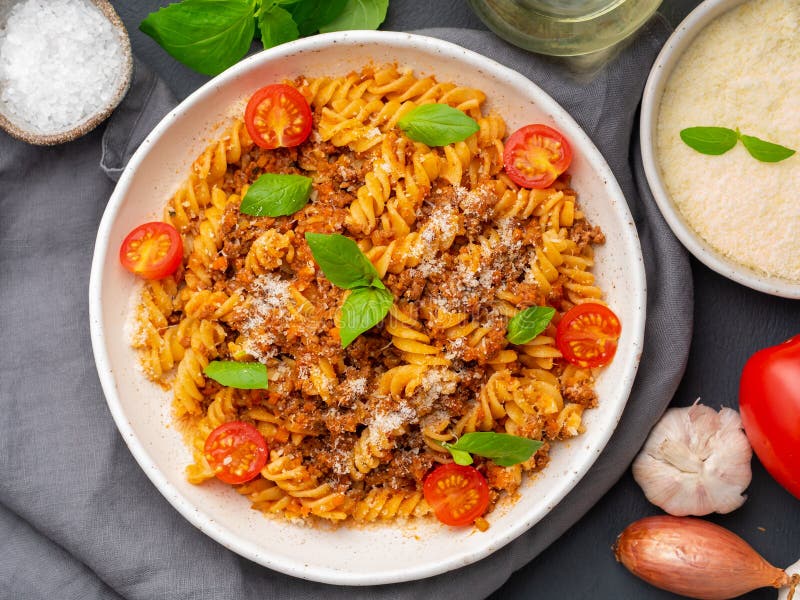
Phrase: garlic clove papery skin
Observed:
(695, 461)
(791, 571)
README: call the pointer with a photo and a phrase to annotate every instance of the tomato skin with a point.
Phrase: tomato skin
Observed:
(278, 116)
(535, 155)
(769, 402)
(152, 250)
(457, 494)
(587, 335)
(236, 451)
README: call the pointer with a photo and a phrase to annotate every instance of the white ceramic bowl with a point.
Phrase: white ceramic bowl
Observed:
(375, 554)
(669, 56)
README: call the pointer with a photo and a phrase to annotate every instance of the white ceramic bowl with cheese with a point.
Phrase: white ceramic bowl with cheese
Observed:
(349, 555)
(756, 245)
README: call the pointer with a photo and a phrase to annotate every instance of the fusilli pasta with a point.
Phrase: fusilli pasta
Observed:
(352, 432)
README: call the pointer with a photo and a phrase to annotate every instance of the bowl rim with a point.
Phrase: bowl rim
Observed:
(207, 524)
(16, 130)
(659, 75)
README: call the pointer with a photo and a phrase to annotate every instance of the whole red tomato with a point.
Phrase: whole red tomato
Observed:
(769, 401)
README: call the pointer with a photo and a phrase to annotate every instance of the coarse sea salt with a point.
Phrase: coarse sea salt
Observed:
(60, 63)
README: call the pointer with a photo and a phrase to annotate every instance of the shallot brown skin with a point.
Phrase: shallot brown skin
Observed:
(694, 558)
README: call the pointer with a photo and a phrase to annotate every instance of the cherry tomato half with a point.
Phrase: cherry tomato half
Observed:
(536, 155)
(236, 451)
(152, 250)
(278, 116)
(587, 335)
(457, 494)
(769, 402)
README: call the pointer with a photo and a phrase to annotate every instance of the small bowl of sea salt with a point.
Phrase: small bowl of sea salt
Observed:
(64, 66)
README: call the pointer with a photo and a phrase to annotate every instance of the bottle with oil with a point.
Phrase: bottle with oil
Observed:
(564, 27)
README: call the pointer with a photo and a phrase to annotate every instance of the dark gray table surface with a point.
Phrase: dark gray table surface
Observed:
(731, 322)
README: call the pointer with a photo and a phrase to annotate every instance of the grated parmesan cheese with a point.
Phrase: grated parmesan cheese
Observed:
(455, 349)
(435, 384)
(60, 61)
(742, 71)
(441, 225)
(384, 424)
(270, 293)
(506, 228)
(357, 387)
(266, 304)
(470, 201)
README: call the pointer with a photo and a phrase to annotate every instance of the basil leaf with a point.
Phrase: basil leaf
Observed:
(437, 124)
(359, 14)
(363, 309)
(527, 324)
(504, 449)
(710, 140)
(207, 35)
(765, 151)
(460, 457)
(310, 15)
(277, 27)
(342, 261)
(242, 375)
(275, 195)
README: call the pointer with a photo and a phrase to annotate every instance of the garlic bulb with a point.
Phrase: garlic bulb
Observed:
(695, 461)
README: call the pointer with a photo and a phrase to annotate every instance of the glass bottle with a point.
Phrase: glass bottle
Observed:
(564, 27)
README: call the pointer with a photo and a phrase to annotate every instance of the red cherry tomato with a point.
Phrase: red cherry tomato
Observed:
(536, 155)
(152, 250)
(769, 402)
(587, 335)
(236, 451)
(278, 116)
(457, 494)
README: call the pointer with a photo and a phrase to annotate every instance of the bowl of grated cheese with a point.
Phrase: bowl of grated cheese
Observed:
(737, 213)
(65, 65)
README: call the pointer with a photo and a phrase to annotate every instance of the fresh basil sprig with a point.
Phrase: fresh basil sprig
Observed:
(276, 194)
(765, 151)
(527, 324)
(709, 140)
(342, 261)
(276, 26)
(310, 15)
(718, 140)
(206, 35)
(358, 14)
(437, 124)
(241, 375)
(364, 308)
(211, 35)
(502, 448)
(345, 266)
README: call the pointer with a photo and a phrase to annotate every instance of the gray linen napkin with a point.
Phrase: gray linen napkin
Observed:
(78, 518)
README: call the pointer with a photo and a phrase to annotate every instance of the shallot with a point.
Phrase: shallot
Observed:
(695, 558)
